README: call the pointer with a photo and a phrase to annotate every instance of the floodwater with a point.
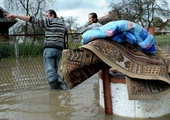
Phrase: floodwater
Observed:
(79, 103)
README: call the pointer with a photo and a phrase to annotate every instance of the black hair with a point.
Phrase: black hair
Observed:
(94, 16)
(52, 12)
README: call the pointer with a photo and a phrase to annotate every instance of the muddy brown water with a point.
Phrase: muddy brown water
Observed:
(79, 103)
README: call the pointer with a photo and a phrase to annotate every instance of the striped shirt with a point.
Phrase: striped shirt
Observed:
(54, 31)
(91, 26)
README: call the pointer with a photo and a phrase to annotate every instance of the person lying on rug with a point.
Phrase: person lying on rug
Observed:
(123, 31)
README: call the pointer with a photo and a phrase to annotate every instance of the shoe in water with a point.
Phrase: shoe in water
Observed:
(54, 85)
(62, 84)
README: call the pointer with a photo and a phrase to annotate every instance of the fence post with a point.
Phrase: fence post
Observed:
(16, 50)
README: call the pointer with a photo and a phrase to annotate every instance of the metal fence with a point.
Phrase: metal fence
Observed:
(21, 63)
(21, 60)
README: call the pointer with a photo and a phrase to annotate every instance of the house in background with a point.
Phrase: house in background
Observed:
(5, 25)
(165, 30)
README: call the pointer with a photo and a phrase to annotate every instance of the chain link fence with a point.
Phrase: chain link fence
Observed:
(21, 62)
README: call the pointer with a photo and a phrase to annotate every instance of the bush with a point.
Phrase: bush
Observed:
(31, 50)
(7, 50)
(24, 50)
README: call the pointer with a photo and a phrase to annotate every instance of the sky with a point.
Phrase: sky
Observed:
(80, 9)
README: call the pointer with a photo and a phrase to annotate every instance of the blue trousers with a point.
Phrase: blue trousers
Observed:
(51, 63)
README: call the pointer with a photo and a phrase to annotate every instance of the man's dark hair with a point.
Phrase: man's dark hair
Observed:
(94, 16)
(52, 12)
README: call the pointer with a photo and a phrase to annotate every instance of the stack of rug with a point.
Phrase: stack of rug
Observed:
(147, 76)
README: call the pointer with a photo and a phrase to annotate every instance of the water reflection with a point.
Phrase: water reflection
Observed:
(79, 103)
(19, 74)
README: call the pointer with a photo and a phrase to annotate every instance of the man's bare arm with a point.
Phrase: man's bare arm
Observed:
(12, 17)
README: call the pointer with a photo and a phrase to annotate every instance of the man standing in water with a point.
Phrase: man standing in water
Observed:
(53, 44)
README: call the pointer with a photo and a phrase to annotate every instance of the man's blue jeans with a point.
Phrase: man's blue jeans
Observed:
(51, 63)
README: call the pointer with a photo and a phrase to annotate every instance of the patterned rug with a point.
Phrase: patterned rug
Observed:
(147, 76)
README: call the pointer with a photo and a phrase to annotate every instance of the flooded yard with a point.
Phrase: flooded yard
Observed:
(26, 95)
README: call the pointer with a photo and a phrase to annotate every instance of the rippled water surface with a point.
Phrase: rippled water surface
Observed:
(79, 103)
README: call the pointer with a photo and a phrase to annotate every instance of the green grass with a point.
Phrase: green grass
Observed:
(162, 40)
(32, 50)
(24, 50)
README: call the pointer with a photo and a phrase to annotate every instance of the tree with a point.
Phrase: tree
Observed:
(158, 22)
(70, 23)
(142, 12)
(27, 7)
